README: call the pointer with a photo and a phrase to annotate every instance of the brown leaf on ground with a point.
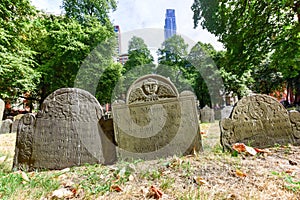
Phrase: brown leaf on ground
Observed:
(241, 147)
(116, 188)
(240, 173)
(200, 181)
(154, 193)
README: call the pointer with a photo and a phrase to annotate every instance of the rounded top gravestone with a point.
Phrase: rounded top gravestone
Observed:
(156, 121)
(259, 121)
(67, 131)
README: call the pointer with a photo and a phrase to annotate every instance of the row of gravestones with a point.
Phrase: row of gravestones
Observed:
(8, 125)
(155, 121)
(208, 115)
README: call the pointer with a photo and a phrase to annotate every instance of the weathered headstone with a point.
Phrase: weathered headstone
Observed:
(2, 106)
(226, 111)
(6, 126)
(16, 123)
(207, 115)
(24, 142)
(155, 121)
(259, 121)
(295, 120)
(67, 131)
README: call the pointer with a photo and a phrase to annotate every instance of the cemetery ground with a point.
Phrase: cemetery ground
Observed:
(272, 174)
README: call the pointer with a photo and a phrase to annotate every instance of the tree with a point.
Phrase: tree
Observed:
(84, 9)
(138, 54)
(17, 66)
(254, 32)
(64, 46)
(173, 62)
(205, 75)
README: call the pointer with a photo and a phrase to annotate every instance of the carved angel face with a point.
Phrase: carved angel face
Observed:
(150, 87)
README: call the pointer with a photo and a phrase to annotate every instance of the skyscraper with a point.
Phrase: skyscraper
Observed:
(170, 23)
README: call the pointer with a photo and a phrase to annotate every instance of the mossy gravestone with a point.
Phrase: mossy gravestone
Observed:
(258, 121)
(156, 121)
(66, 133)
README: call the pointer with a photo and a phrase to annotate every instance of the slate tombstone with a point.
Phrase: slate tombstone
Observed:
(67, 131)
(6, 126)
(295, 120)
(207, 115)
(155, 121)
(259, 121)
(23, 149)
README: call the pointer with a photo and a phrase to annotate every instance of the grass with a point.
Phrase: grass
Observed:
(267, 177)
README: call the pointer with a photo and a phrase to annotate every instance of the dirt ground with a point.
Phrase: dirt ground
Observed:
(211, 174)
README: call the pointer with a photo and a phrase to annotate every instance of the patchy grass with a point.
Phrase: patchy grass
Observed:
(211, 174)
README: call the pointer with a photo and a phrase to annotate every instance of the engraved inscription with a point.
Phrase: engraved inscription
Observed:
(258, 120)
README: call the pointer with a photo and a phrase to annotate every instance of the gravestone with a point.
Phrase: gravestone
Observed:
(259, 121)
(24, 140)
(67, 132)
(16, 123)
(6, 126)
(2, 106)
(207, 115)
(295, 120)
(226, 111)
(156, 121)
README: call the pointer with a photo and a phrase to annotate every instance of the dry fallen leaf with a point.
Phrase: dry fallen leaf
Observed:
(241, 147)
(25, 177)
(240, 173)
(115, 188)
(62, 193)
(262, 150)
(154, 193)
(200, 181)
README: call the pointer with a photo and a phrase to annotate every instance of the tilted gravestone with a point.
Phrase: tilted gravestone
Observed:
(207, 115)
(23, 149)
(67, 132)
(2, 106)
(6, 126)
(258, 121)
(155, 121)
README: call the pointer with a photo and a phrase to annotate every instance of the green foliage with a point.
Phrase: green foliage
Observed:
(17, 66)
(139, 63)
(173, 62)
(64, 46)
(109, 78)
(82, 10)
(138, 54)
(254, 32)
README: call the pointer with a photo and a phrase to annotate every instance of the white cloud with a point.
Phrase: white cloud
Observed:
(52, 6)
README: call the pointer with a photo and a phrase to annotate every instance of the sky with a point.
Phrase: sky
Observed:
(146, 18)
